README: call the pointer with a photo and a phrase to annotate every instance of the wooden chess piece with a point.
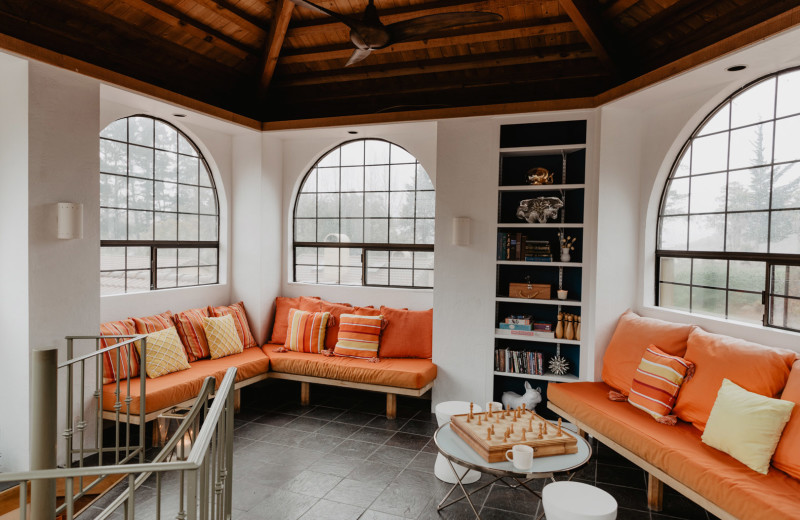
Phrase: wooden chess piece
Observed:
(569, 332)
(511, 429)
(523, 407)
(479, 419)
(469, 418)
(578, 328)
(490, 410)
(559, 426)
(493, 429)
(470, 410)
(530, 424)
(545, 427)
(488, 434)
(523, 435)
(560, 326)
(540, 431)
(505, 437)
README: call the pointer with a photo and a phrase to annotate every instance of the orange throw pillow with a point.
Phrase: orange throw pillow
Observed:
(633, 335)
(756, 368)
(153, 323)
(239, 320)
(336, 310)
(189, 325)
(367, 311)
(359, 336)
(110, 370)
(787, 455)
(306, 331)
(281, 321)
(409, 334)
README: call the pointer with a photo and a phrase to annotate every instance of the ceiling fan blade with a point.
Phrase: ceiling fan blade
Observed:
(424, 25)
(350, 22)
(358, 55)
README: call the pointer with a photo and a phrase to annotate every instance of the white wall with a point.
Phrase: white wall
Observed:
(14, 352)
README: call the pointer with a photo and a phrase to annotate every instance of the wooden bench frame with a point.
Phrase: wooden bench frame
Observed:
(656, 478)
(391, 391)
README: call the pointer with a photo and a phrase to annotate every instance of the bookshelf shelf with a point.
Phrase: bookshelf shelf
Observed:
(569, 378)
(549, 225)
(543, 187)
(533, 301)
(540, 264)
(540, 150)
(502, 334)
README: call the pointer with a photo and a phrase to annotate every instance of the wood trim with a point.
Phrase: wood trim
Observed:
(272, 48)
(653, 471)
(618, 7)
(655, 493)
(590, 26)
(415, 392)
(232, 13)
(391, 406)
(63, 61)
(305, 393)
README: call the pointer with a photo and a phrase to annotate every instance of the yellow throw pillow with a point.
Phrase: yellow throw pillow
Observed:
(222, 337)
(746, 426)
(165, 353)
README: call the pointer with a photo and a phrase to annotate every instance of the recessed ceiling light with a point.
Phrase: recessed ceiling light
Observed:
(179, 115)
(352, 132)
(736, 68)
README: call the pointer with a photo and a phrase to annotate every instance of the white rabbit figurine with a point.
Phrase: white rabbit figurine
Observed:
(512, 400)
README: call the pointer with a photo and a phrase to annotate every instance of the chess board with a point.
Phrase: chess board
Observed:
(474, 429)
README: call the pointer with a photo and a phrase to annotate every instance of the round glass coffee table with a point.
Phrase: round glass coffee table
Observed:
(456, 451)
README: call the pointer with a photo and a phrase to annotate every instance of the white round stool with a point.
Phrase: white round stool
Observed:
(442, 468)
(577, 501)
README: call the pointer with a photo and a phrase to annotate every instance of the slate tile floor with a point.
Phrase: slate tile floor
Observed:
(341, 459)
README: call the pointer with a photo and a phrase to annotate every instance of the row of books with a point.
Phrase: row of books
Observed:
(534, 333)
(519, 362)
(524, 324)
(516, 246)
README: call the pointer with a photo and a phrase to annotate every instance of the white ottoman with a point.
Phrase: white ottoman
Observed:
(577, 501)
(442, 468)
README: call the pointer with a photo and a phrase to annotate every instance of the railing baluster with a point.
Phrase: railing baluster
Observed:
(117, 407)
(69, 429)
(69, 497)
(142, 398)
(158, 496)
(98, 395)
(23, 499)
(131, 496)
(191, 495)
(82, 422)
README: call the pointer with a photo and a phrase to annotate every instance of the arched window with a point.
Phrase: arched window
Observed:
(159, 213)
(729, 222)
(365, 216)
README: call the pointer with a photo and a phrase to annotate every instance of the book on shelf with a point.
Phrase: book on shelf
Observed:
(517, 247)
(516, 326)
(534, 333)
(538, 258)
(519, 362)
(521, 319)
(543, 326)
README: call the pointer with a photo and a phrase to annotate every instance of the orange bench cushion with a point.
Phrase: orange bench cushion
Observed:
(678, 451)
(403, 373)
(175, 388)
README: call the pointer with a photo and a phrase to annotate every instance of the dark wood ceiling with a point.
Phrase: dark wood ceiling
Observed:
(269, 60)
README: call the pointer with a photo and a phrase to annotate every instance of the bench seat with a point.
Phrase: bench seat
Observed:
(179, 387)
(679, 452)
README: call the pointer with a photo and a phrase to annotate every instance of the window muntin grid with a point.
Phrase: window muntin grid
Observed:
(730, 210)
(365, 199)
(157, 200)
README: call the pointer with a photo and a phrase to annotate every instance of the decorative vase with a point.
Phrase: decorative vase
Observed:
(565, 254)
(569, 330)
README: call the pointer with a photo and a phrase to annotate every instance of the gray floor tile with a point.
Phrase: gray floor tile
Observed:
(408, 441)
(393, 456)
(335, 464)
(354, 492)
(283, 505)
(373, 435)
(367, 471)
(306, 424)
(312, 483)
(356, 449)
(327, 510)
(377, 515)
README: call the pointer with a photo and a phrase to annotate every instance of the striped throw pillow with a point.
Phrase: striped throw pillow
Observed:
(306, 331)
(239, 320)
(359, 336)
(189, 325)
(153, 323)
(112, 372)
(657, 382)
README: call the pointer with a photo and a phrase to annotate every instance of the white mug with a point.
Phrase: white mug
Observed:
(562, 294)
(522, 457)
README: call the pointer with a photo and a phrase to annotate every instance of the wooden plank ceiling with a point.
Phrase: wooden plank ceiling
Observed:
(271, 60)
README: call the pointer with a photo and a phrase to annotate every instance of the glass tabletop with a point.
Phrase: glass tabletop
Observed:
(454, 448)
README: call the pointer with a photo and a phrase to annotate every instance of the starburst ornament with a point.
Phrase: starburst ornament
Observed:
(558, 364)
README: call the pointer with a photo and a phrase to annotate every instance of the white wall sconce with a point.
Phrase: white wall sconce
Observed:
(462, 230)
(70, 220)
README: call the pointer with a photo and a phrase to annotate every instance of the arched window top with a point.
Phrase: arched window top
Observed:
(159, 211)
(729, 220)
(364, 215)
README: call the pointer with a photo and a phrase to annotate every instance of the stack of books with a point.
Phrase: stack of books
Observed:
(519, 362)
(516, 246)
(526, 327)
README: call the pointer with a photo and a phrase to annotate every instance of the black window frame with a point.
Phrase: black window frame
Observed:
(770, 260)
(365, 247)
(155, 245)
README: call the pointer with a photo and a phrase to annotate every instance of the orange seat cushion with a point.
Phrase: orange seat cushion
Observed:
(403, 373)
(631, 338)
(678, 451)
(408, 334)
(756, 368)
(177, 387)
(787, 455)
(281, 322)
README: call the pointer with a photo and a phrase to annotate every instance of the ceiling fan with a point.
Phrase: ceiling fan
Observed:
(369, 34)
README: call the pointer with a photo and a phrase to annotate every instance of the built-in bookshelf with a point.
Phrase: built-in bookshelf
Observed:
(530, 253)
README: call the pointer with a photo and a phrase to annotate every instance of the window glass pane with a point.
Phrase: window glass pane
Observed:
(786, 185)
(353, 153)
(113, 191)
(113, 224)
(305, 230)
(785, 280)
(747, 232)
(305, 255)
(327, 180)
(706, 232)
(708, 301)
(352, 204)
(376, 204)
(376, 178)
(402, 177)
(710, 154)
(188, 276)
(167, 278)
(187, 199)
(377, 277)
(423, 260)
(677, 199)
(352, 230)
(401, 204)
(328, 205)
(746, 276)
(208, 205)
(788, 100)
(785, 232)
(350, 275)
(749, 189)
(166, 196)
(708, 193)
(403, 277)
(328, 274)
(754, 105)
(306, 205)
(208, 228)
(118, 130)
(166, 137)
(423, 180)
(401, 156)
(677, 270)
(751, 146)
(140, 225)
(167, 257)
(188, 227)
(138, 258)
(328, 256)
(208, 256)
(426, 204)
(425, 231)
(137, 281)
(684, 165)
(350, 256)
(205, 176)
(188, 169)
(208, 275)
(112, 258)
(718, 122)
(330, 159)
(328, 230)
(674, 233)
(377, 152)
(423, 278)
(674, 296)
(188, 256)
(786, 132)
(140, 130)
(166, 166)
(710, 273)
(140, 161)
(113, 157)
(404, 259)
(141, 194)
(305, 274)
(112, 282)
(166, 226)
(185, 147)
(377, 259)
(401, 231)
(376, 231)
(745, 307)
(353, 178)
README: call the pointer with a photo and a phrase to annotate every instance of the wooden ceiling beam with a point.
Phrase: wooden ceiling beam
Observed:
(397, 14)
(464, 37)
(272, 49)
(232, 13)
(674, 14)
(618, 7)
(587, 19)
(467, 62)
(176, 18)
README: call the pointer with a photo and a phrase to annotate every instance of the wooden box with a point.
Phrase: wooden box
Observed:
(531, 291)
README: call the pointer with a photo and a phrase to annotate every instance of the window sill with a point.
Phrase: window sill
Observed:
(360, 287)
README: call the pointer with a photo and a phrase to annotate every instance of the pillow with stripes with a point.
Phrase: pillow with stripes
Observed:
(306, 331)
(657, 382)
(359, 336)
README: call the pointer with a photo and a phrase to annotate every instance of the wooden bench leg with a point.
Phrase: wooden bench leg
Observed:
(655, 493)
(237, 401)
(305, 393)
(391, 406)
